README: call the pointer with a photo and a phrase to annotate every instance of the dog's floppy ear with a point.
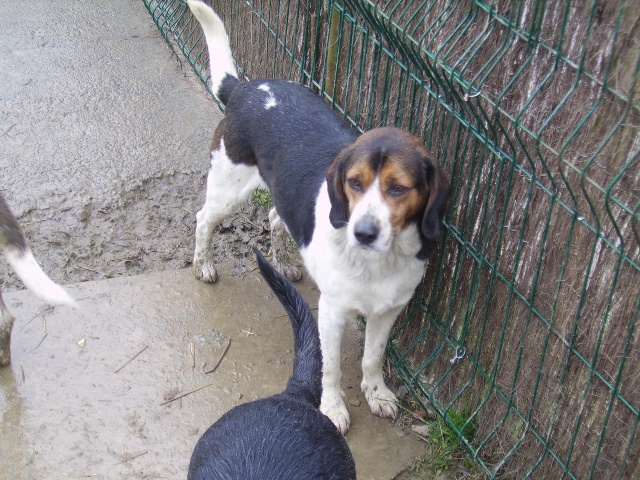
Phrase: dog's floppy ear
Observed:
(339, 214)
(432, 228)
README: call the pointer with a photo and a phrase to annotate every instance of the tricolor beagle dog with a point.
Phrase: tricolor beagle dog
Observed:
(18, 254)
(365, 210)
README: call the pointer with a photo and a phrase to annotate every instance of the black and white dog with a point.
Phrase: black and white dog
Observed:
(19, 256)
(284, 436)
(365, 210)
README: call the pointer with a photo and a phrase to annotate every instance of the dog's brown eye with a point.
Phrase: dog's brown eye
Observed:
(355, 184)
(397, 190)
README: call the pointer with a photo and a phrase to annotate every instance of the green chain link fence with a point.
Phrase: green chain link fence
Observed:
(525, 325)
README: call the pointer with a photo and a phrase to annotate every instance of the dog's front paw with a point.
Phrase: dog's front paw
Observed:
(339, 417)
(333, 407)
(204, 269)
(382, 401)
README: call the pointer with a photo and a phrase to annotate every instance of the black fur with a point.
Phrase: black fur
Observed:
(10, 232)
(293, 160)
(284, 436)
(339, 213)
(226, 88)
(432, 229)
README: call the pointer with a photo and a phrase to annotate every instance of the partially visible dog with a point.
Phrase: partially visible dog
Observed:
(18, 254)
(283, 437)
(365, 210)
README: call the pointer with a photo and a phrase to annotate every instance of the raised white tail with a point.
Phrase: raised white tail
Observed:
(220, 59)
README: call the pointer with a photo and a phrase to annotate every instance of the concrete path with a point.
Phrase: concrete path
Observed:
(92, 102)
(86, 395)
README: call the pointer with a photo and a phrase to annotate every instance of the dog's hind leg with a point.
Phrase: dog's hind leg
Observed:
(6, 322)
(281, 258)
(228, 185)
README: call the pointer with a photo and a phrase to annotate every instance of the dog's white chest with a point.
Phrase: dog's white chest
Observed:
(365, 281)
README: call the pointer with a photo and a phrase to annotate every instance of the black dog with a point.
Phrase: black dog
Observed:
(284, 436)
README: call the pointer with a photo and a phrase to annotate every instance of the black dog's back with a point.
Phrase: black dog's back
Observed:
(284, 436)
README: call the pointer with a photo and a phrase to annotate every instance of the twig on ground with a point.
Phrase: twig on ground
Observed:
(42, 340)
(40, 220)
(128, 458)
(92, 270)
(215, 367)
(187, 393)
(26, 324)
(285, 315)
(132, 359)
(246, 220)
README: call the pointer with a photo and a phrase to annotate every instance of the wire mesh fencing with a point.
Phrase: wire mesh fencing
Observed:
(525, 325)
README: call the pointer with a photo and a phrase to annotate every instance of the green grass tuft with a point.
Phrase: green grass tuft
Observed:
(445, 455)
(262, 198)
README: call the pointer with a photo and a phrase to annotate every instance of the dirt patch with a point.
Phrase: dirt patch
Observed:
(148, 228)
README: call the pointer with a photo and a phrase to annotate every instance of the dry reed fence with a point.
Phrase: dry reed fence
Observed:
(526, 323)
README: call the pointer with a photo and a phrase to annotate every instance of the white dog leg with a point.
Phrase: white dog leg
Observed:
(228, 185)
(281, 258)
(331, 325)
(381, 400)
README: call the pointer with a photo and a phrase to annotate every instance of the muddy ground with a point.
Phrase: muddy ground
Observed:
(104, 140)
(148, 229)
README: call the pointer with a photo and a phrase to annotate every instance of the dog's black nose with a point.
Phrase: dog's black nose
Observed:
(366, 231)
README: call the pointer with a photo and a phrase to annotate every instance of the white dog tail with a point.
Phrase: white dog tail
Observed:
(19, 256)
(223, 71)
(35, 279)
